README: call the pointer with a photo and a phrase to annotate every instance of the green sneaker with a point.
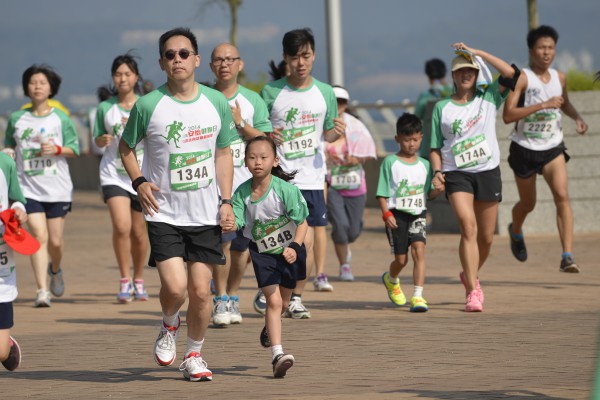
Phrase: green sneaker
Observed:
(418, 304)
(394, 292)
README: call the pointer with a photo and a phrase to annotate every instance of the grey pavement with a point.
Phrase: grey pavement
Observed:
(536, 338)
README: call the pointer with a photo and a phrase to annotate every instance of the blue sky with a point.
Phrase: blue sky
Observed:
(385, 42)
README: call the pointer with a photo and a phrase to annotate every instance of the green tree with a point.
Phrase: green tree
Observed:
(231, 6)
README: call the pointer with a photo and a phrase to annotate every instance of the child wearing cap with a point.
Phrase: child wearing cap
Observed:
(11, 197)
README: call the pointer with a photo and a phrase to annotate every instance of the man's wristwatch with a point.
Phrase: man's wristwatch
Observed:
(241, 125)
(225, 201)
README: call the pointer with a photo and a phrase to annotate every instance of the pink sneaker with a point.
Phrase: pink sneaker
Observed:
(478, 287)
(473, 302)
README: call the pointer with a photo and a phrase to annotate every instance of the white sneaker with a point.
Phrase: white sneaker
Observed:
(346, 273)
(221, 314)
(322, 284)
(57, 284)
(234, 309)
(296, 309)
(42, 298)
(166, 344)
(195, 368)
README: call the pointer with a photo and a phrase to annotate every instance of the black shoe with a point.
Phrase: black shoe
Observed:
(281, 364)
(517, 246)
(264, 338)
(567, 264)
(14, 356)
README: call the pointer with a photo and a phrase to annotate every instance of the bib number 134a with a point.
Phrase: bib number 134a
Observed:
(191, 171)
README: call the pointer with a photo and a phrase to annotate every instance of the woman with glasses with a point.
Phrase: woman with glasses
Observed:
(129, 228)
(347, 188)
(43, 137)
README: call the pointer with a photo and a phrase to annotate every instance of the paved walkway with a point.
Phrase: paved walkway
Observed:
(535, 340)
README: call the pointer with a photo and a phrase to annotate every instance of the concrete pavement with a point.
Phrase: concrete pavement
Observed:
(536, 338)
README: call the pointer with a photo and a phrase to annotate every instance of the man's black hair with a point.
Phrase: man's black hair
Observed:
(294, 40)
(186, 32)
(540, 32)
(435, 69)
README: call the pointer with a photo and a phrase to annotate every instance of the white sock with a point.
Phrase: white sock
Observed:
(172, 320)
(392, 280)
(418, 291)
(194, 346)
(276, 350)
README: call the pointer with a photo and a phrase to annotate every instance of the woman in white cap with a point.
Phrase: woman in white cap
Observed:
(465, 157)
(347, 189)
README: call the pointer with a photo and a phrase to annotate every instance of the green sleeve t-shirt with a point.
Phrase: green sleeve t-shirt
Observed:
(303, 115)
(180, 140)
(272, 220)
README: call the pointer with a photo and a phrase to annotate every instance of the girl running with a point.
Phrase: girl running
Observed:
(129, 228)
(273, 214)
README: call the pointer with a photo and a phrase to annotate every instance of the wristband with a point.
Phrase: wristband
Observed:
(386, 215)
(19, 205)
(58, 150)
(225, 201)
(436, 172)
(295, 246)
(137, 182)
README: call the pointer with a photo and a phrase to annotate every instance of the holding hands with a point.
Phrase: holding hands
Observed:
(227, 218)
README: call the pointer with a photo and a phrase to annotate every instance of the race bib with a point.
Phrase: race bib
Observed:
(7, 260)
(346, 177)
(274, 236)
(300, 142)
(471, 152)
(238, 151)
(410, 200)
(139, 155)
(541, 125)
(191, 171)
(38, 165)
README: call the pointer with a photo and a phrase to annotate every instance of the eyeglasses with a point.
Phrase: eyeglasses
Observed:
(227, 60)
(183, 54)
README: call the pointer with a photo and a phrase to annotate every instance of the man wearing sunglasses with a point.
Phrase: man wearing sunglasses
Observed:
(187, 129)
(251, 119)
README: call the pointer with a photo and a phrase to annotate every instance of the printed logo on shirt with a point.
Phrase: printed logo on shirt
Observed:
(456, 127)
(197, 132)
(532, 93)
(173, 132)
(116, 129)
(290, 116)
(27, 134)
(459, 129)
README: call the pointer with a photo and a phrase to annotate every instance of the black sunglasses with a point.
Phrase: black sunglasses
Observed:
(183, 53)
